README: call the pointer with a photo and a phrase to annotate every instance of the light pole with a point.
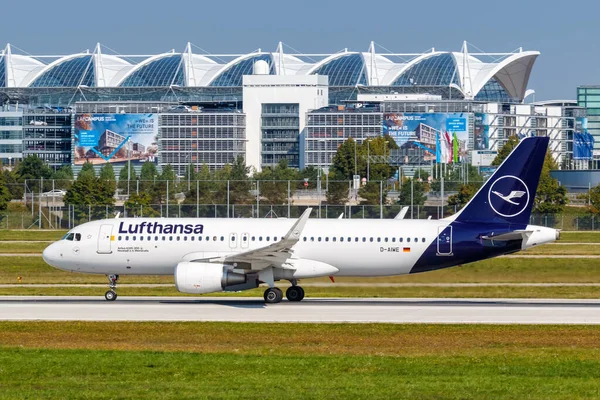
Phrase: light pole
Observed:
(320, 173)
(368, 159)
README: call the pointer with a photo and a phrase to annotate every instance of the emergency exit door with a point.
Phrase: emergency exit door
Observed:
(104, 239)
(444, 241)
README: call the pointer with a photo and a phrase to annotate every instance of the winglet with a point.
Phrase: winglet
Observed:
(402, 213)
(296, 229)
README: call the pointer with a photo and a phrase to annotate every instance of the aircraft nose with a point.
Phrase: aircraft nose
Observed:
(50, 255)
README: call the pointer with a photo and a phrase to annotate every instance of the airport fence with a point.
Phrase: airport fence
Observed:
(41, 203)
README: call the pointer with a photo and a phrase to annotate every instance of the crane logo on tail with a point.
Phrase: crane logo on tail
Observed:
(508, 196)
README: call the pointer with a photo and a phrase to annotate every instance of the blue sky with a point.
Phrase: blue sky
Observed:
(565, 33)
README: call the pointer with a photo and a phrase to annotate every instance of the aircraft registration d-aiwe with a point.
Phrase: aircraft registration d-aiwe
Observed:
(223, 254)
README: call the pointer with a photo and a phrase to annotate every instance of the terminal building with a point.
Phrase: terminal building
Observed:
(269, 106)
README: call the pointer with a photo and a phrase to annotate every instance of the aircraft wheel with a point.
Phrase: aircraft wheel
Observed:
(294, 293)
(273, 295)
(110, 295)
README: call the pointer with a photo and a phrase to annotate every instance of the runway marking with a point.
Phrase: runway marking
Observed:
(311, 310)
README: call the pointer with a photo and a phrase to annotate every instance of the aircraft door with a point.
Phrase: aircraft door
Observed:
(245, 240)
(444, 241)
(104, 239)
(232, 240)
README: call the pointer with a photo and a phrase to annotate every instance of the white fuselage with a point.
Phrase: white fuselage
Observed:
(354, 247)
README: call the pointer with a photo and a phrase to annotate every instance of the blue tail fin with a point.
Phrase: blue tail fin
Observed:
(507, 196)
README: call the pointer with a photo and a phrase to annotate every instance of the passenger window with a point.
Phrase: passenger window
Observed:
(423, 240)
(356, 239)
(245, 238)
(120, 237)
(260, 238)
(192, 238)
(378, 239)
(416, 240)
(333, 238)
(207, 238)
(199, 238)
(253, 238)
(149, 238)
(319, 238)
(327, 238)
(214, 238)
(341, 238)
(370, 239)
(400, 240)
(170, 238)
(364, 239)
(312, 238)
(408, 240)
(349, 239)
(126, 237)
(163, 238)
(185, 238)
(156, 238)
(141, 238)
(268, 238)
(394, 240)
(304, 238)
(133, 238)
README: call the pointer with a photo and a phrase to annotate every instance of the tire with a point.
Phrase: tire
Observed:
(273, 295)
(294, 293)
(110, 295)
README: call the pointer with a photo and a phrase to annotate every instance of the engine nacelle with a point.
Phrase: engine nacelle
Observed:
(201, 277)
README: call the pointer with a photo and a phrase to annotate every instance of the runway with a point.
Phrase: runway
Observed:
(311, 310)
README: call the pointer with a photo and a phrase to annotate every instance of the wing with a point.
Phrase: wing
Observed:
(516, 194)
(276, 254)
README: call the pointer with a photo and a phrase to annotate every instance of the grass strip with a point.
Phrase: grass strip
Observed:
(31, 234)
(499, 270)
(559, 292)
(86, 360)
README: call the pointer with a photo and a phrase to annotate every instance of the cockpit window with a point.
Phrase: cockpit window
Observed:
(69, 236)
(77, 237)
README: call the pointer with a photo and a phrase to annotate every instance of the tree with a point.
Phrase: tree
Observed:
(508, 147)
(594, 196)
(418, 193)
(63, 177)
(240, 185)
(89, 194)
(465, 193)
(87, 170)
(140, 204)
(33, 167)
(148, 175)
(14, 186)
(127, 177)
(107, 178)
(5, 195)
(274, 182)
(551, 197)
(337, 193)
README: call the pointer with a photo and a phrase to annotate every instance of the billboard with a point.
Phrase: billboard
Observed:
(441, 137)
(481, 132)
(583, 142)
(483, 157)
(115, 138)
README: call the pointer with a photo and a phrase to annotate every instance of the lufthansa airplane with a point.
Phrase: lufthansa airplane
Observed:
(224, 254)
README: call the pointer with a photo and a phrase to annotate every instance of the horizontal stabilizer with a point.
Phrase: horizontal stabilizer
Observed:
(514, 235)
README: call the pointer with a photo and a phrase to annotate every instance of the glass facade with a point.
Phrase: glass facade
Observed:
(438, 70)
(347, 70)
(589, 97)
(163, 72)
(48, 136)
(327, 130)
(233, 75)
(211, 138)
(280, 128)
(11, 137)
(70, 73)
(2, 72)
(493, 91)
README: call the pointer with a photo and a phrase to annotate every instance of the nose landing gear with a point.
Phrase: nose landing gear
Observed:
(111, 295)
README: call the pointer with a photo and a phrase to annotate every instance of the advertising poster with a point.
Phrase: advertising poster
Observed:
(115, 138)
(583, 142)
(481, 132)
(442, 137)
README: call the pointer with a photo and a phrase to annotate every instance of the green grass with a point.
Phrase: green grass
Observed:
(580, 237)
(300, 361)
(499, 270)
(23, 247)
(564, 249)
(557, 292)
(31, 234)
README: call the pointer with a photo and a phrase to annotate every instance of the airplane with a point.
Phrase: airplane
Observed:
(207, 255)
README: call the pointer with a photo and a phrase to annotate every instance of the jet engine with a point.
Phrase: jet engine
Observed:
(202, 277)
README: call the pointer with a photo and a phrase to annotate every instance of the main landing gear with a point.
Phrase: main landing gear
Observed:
(275, 295)
(111, 295)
